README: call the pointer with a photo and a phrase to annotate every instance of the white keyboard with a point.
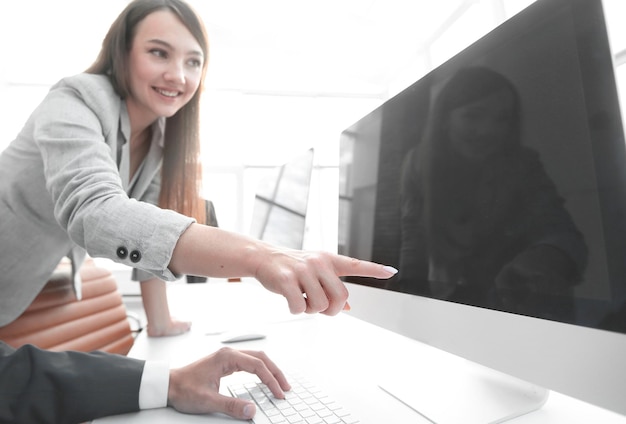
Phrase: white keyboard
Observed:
(303, 404)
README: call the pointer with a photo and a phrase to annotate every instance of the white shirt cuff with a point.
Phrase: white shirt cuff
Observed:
(155, 381)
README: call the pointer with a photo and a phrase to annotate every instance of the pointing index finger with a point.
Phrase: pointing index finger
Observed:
(347, 266)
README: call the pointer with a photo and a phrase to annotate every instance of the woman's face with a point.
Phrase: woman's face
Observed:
(483, 127)
(165, 67)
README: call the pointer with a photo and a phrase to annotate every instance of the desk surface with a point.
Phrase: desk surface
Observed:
(340, 354)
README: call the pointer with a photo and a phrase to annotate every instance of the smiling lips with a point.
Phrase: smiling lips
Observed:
(167, 93)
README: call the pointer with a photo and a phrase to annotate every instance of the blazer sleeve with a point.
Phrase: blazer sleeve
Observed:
(71, 130)
(65, 387)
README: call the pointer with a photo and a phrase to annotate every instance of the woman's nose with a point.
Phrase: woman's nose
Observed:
(176, 73)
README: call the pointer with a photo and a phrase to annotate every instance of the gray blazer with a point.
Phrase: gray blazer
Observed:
(62, 193)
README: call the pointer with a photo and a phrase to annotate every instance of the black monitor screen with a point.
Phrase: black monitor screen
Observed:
(498, 179)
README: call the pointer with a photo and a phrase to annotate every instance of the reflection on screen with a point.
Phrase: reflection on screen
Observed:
(498, 179)
(480, 220)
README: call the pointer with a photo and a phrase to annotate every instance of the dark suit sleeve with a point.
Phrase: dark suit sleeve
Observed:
(38, 386)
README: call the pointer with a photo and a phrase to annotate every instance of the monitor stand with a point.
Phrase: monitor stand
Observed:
(461, 391)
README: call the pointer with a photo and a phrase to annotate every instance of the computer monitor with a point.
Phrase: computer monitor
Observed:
(496, 184)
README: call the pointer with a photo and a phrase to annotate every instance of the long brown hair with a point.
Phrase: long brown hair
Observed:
(181, 172)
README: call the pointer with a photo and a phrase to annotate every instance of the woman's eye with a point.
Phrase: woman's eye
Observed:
(195, 63)
(158, 52)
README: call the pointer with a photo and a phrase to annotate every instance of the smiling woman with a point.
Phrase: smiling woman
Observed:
(165, 64)
(159, 75)
(108, 165)
(165, 70)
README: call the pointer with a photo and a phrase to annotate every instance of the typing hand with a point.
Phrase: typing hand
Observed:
(310, 280)
(194, 389)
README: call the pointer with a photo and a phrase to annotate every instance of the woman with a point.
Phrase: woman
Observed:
(180, 178)
(85, 175)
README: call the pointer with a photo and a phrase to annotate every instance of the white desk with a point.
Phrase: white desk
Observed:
(340, 354)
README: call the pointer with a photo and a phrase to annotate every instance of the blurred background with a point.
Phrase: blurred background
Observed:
(285, 76)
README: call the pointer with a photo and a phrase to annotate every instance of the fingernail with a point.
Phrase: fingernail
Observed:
(346, 307)
(248, 411)
(390, 269)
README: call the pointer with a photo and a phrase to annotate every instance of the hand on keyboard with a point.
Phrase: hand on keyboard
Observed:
(194, 388)
(303, 404)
